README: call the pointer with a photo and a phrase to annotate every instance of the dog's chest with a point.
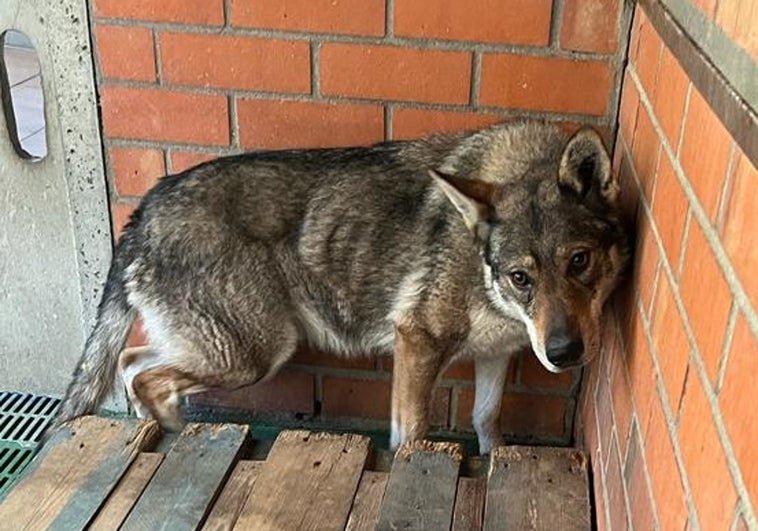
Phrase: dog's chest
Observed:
(492, 333)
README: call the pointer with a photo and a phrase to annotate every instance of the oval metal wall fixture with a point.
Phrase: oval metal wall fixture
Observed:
(23, 99)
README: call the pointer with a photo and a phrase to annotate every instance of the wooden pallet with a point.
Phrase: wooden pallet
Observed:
(98, 473)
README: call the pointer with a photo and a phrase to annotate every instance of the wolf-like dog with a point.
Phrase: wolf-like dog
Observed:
(471, 245)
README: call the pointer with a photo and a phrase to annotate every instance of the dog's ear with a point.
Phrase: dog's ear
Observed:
(586, 167)
(474, 199)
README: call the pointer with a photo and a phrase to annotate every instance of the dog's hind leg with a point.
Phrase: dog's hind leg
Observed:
(157, 382)
(131, 362)
(227, 321)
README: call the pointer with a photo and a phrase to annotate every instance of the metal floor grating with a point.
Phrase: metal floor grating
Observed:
(23, 417)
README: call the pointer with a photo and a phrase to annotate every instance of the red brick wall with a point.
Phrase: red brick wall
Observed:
(668, 413)
(181, 81)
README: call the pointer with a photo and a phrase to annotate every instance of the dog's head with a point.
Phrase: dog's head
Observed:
(552, 246)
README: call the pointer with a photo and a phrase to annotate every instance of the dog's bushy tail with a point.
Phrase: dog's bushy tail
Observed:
(95, 374)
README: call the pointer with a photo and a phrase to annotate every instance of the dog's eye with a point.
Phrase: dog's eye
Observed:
(579, 261)
(520, 279)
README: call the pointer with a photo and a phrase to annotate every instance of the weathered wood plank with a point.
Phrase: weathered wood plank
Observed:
(307, 482)
(537, 489)
(71, 477)
(365, 512)
(127, 492)
(229, 504)
(421, 488)
(469, 504)
(189, 479)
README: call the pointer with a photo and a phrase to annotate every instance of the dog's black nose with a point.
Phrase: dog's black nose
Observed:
(564, 350)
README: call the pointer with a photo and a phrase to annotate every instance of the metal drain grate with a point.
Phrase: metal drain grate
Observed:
(23, 417)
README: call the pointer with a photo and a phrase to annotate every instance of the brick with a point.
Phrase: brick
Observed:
(534, 374)
(630, 103)
(741, 419)
(465, 369)
(523, 415)
(641, 375)
(740, 525)
(670, 341)
(665, 480)
(534, 415)
(615, 487)
(604, 407)
(208, 12)
(462, 370)
(588, 418)
(529, 82)
(415, 123)
(636, 480)
(475, 20)
(670, 207)
(150, 114)
(591, 374)
(621, 398)
(670, 96)
(120, 215)
(308, 356)
(368, 398)
(710, 481)
(347, 17)
(705, 151)
(125, 52)
(629, 199)
(737, 19)
(183, 160)
(708, 309)
(599, 498)
(646, 55)
(739, 229)
(305, 124)
(242, 63)
(590, 25)
(356, 398)
(288, 392)
(393, 73)
(624, 304)
(135, 170)
(708, 7)
(440, 409)
(646, 147)
(638, 20)
(647, 260)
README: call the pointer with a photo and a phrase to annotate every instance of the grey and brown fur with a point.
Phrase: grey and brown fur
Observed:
(470, 245)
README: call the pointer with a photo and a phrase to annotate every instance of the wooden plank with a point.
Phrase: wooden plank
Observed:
(469, 504)
(127, 492)
(189, 479)
(307, 482)
(365, 512)
(227, 508)
(537, 488)
(71, 477)
(421, 488)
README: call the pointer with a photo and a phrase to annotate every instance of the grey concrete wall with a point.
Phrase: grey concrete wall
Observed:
(55, 236)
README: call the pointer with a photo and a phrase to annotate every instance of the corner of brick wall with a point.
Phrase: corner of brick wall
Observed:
(180, 82)
(668, 412)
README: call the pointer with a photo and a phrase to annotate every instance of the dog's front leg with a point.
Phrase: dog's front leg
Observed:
(490, 380)
(416, 366)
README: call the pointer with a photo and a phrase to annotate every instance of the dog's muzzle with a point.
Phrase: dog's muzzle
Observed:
(564, 350)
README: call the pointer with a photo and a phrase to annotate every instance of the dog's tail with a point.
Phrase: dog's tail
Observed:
(95, 374)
